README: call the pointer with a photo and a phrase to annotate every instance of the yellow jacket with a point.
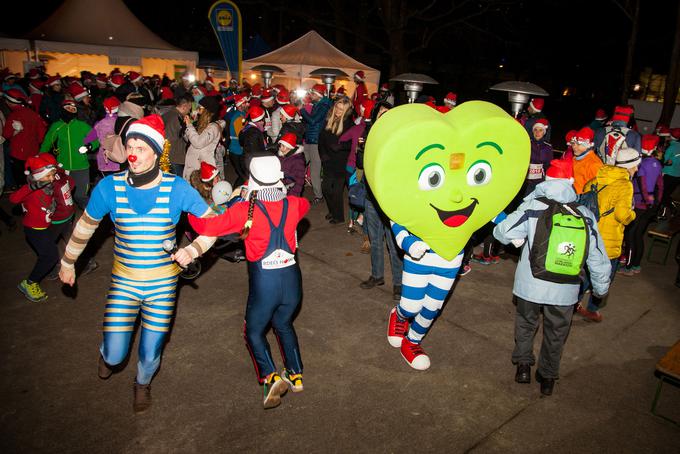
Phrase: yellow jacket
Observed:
(616, 192)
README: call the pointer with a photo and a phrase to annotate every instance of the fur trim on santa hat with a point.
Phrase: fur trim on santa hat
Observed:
(208, 172)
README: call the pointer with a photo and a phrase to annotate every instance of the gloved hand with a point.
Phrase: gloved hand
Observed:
(17, 126)
(85, 148)
(518, 243)
(418, 249)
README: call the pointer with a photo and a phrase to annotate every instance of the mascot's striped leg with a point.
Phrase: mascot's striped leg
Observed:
(156, 298)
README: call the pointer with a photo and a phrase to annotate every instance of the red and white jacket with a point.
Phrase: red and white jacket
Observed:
(38, 206)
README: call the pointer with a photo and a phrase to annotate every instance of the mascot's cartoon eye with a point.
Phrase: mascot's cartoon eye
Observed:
(431, 177)
(479, 173)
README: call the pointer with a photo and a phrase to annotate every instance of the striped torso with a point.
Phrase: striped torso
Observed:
(138, 251)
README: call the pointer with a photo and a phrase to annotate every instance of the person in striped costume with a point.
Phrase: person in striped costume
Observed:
(144, 204)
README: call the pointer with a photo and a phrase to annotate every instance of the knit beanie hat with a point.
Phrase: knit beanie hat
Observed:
(628, 158)
(151, 130)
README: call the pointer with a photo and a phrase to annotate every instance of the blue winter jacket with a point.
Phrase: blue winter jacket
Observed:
(315, 119)
(522, 225)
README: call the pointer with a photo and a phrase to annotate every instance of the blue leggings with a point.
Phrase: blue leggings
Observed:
(274, 296)
(155, 299)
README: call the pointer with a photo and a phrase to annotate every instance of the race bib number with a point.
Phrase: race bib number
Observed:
(66, 194)
(535, 172)
(277, 260)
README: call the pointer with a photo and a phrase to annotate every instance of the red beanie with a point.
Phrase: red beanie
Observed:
(560, 169)
(208, 172)
(622, 113)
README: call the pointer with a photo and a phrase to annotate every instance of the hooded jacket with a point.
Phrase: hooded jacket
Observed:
(24, 143)
(315, 119)
(521, 224)
(616, 196)
(69, 137)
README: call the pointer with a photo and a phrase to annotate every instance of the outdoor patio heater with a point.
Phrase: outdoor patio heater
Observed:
(413, 84)
(328, 76)
(267, 73)
(519, 93)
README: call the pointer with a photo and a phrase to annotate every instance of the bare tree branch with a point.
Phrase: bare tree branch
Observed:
(623, 9)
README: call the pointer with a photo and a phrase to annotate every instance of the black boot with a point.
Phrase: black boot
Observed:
(547, 384)
(372, 282)
(104, 371)
(523, 374)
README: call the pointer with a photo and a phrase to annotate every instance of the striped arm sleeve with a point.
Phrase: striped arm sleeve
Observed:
(202, 243)
(402, 236)
(82, 233)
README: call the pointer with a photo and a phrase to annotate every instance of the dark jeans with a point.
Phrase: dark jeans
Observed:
(239, 163)
(44, 246)
(556, 324)
(378, 228)
(634, 238)
(18, 174)
(333, 188)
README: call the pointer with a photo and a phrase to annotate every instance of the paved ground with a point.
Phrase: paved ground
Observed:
(360, 396)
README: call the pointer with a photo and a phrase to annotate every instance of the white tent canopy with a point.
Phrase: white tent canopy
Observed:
(97, 36)
(307, 53)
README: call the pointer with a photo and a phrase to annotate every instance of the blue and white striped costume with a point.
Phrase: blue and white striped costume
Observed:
(425, 283)
(144, 277)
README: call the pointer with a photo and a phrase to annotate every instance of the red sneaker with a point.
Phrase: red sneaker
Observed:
(585, 313)
(414, 355)
(495, 259)
(396, 329)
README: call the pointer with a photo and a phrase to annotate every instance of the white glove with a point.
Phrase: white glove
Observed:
(17, 126)
(418, 249)
(518, 243)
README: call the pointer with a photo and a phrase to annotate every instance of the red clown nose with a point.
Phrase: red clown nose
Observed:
(132, 158)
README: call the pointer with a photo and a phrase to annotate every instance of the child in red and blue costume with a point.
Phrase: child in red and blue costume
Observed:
(268, 222)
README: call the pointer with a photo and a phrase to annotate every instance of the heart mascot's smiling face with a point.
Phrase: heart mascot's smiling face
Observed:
(443, 176)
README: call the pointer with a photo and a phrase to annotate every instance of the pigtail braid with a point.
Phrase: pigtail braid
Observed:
(249, 222)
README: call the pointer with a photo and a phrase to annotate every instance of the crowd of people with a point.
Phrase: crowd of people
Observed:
(137, 152)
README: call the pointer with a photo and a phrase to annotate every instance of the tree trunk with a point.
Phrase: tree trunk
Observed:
(632, 42)
(670, 93)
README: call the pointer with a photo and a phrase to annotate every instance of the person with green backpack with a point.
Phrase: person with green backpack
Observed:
(559, 239)
(67, 136)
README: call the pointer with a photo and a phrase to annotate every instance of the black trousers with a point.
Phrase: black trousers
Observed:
(239, 163)
(670, 183)
(556, 325)
(333, 189)
(44, 246)
(634, 237)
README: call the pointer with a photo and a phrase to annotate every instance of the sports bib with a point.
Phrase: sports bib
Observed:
(277, 260)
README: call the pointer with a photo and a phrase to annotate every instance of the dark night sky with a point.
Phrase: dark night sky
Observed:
(579, 43)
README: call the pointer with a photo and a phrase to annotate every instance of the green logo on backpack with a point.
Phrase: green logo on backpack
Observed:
(560, 244)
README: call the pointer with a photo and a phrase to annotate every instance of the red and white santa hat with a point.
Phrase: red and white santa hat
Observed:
(385, 87)
(360, 75)
(15, 96)
(151, 130)
(240, 99)
(256, 91)
(541, 123)
(341, 91)
(600, 115)
(255, 114)
(54, 80)
(283, 98)
(69, 105)
(166, 93)
(649, 143)
(289, 111)
(663, 131)
(267, 95)
(101, 80)
(77, 91)
(583, 136)
(111, 105)
(560, 169)
(117, 80)
(537, 104)
(116, 72)
(450, 99)
(33, 74)
(39, 166)
(288, 140)
(675, 133)
(134, 76)
(208, 172)
(319, 89)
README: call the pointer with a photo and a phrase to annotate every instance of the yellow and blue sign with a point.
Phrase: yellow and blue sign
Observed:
(225, 19)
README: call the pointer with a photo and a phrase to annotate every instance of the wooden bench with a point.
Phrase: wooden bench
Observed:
(663, 234)
(667, 369)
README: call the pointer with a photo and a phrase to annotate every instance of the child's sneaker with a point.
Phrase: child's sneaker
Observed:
(626, 272)
(414, 355)
(274, 387)
(478, 258)
(396, 329)
(495, 259)
(465, 269)
(294, 380)
(636, 269)
(32, 291)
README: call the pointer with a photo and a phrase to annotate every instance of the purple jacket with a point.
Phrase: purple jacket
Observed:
(293, 167)
(541, 155)
(354, 134)
(101, 129)
(649, 177)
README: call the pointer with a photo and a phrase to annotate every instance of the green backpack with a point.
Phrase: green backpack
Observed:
(560, 245)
